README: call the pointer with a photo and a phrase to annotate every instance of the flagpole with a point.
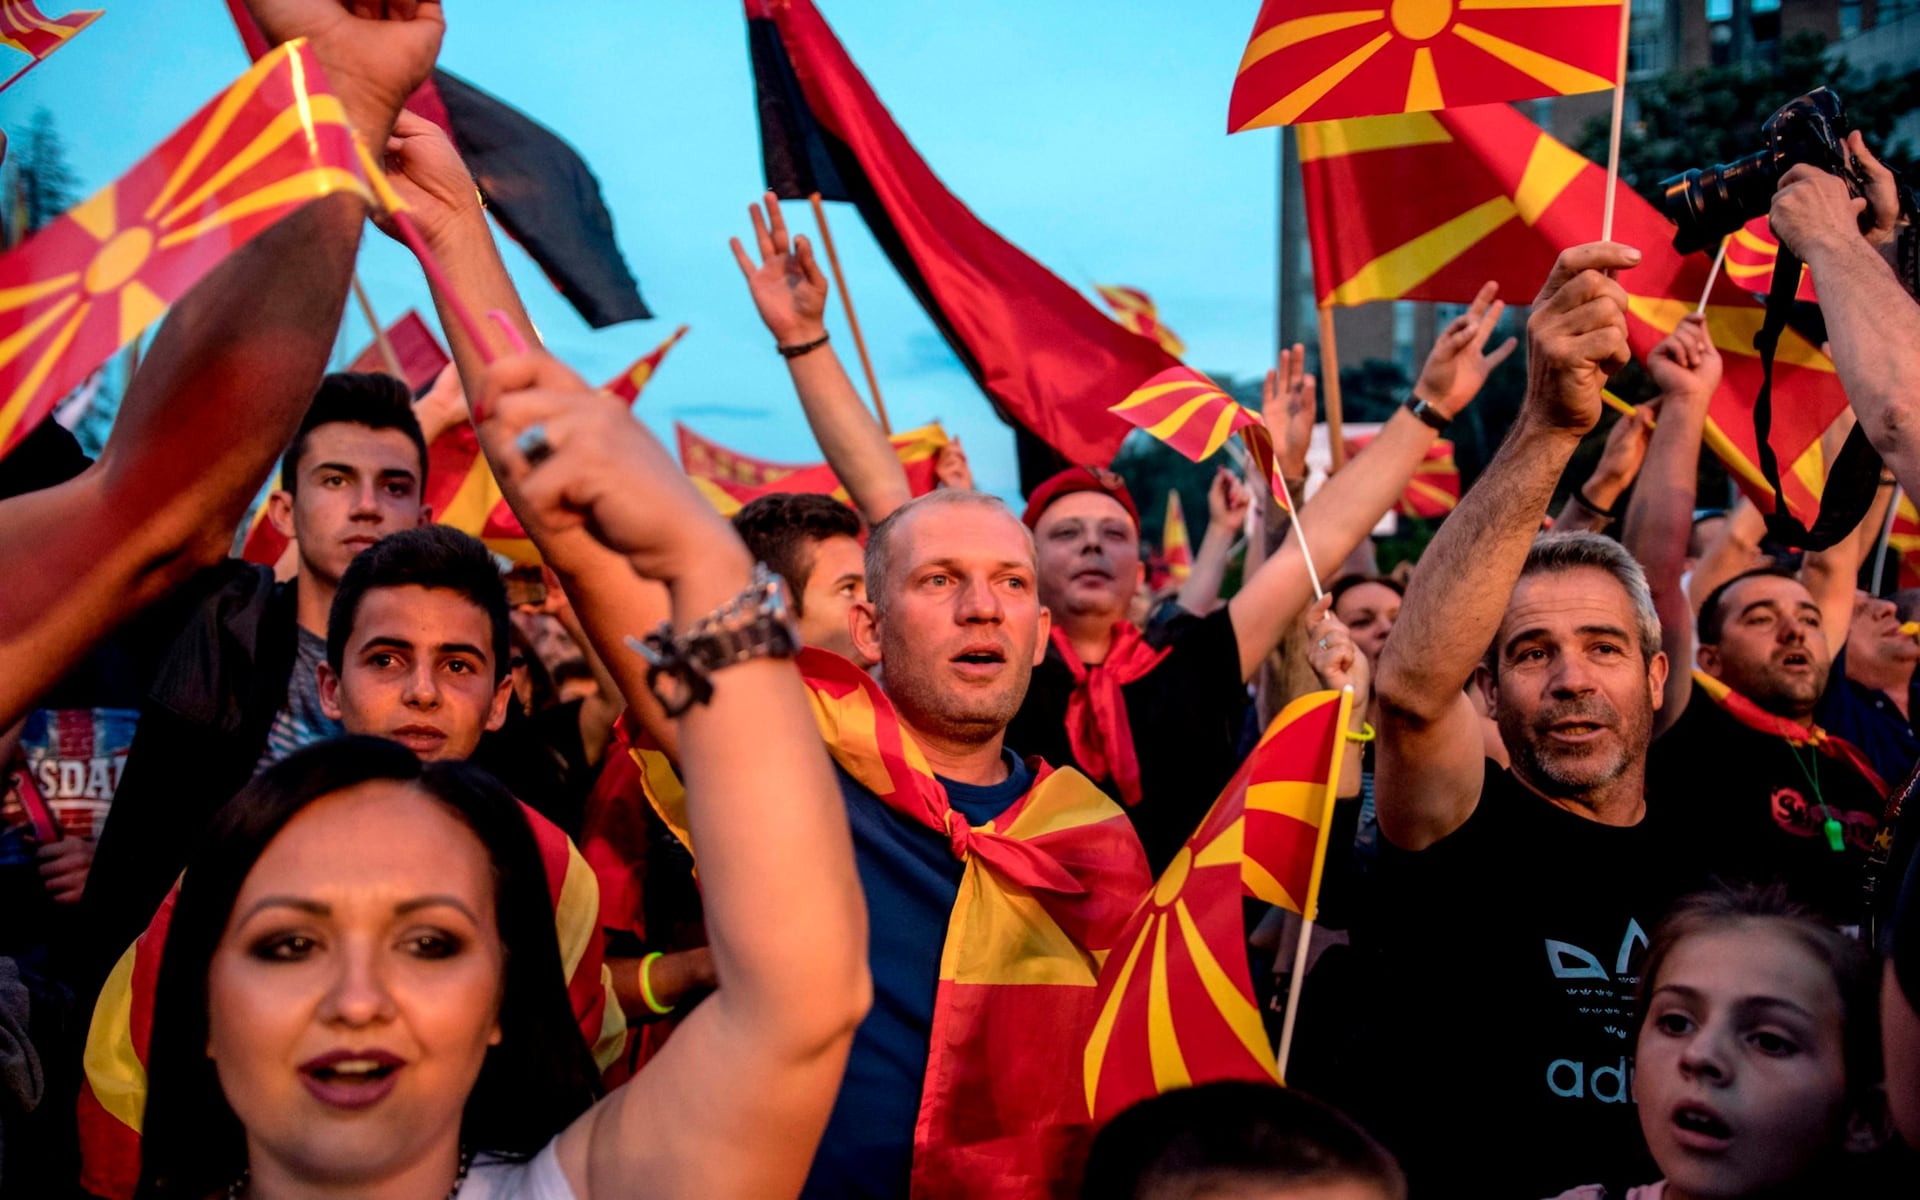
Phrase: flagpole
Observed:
(1299, 532)
(1886, 536)
(379, 331)
(1330, 387)
(1713, 275)
(1619, 114)
(846, 298)
(1310, 905)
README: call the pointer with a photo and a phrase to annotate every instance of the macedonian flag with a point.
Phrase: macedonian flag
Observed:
(1498, 198)
(729, 479)
(1135, 310)
(1317, 60)
(1176, 999)
(1434, 490)
(1175, 545)
(1750, 258)
(629, 383)
(92, 280)
(1903, 539)
(24, 28)
(1189, 412)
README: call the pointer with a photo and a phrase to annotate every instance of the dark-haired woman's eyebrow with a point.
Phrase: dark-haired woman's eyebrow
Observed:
(312, 908)
(406, 907)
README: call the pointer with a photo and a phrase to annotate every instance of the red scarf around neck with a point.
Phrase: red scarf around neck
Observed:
(1754, 717)
(1097, 726)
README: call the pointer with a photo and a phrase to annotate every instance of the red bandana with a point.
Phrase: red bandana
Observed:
(1097, 726)
(1754, 717)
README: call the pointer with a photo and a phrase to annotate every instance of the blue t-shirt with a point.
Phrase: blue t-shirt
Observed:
(911, 880)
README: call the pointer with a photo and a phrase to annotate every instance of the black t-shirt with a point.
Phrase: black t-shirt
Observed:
(1185, 717)
(1753, 808)
(1506, 960)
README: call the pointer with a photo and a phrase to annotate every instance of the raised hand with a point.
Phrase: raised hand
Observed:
(1459, 363)
(374, 54)
(426, 170)
(1287, 407)
(1335, 660)
(444, 406)
(1621, 457)
(787, 286)
(1227, 502)
(1686, 365)
(1883, 192)
(1577, 335)
(951, 469)
(594, 467)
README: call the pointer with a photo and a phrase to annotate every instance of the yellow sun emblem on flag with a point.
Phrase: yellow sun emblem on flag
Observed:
(1326, 59)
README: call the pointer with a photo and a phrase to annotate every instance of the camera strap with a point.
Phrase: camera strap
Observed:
(1854, 475)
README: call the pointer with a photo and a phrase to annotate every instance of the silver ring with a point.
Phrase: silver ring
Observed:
(1324, 644)
(533, 444)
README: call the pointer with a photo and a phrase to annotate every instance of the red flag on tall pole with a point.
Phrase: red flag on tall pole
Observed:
(93, 280)
(1051, 362)
(1499, 198)
(24, 28)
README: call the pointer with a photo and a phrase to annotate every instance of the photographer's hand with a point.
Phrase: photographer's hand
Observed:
(1813, 212)
(1883, 194)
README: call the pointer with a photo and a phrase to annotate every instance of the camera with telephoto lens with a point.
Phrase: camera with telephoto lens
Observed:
(1709, 203)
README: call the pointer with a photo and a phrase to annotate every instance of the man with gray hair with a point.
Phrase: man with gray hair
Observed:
(1511, 905)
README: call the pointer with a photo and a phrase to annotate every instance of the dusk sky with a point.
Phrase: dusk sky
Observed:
(1092, 136)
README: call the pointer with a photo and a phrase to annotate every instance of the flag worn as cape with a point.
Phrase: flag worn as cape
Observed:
(1175, 545)
(1176, 997)
(536, 186)
(1317, 60)
(113, 1094)
(25, 28)
(629, 383)
(94, 279)
(1499, 198)
(1050, 361)
(729, 479)
(1136, 311)
(1046, 888)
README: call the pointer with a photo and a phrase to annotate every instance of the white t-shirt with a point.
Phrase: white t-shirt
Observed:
(539, 1178)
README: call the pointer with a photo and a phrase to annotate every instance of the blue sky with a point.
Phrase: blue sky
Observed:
(1092, 136)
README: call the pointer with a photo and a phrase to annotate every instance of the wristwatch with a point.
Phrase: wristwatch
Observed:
(1431, 416)
(758, 623)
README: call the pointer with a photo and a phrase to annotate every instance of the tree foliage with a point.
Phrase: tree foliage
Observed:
(1700, 116)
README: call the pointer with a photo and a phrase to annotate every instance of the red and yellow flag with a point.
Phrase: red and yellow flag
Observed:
(729, 479)
(1903, 540)
(1176, 1000)
(1318, 60)
(631, 381)
(92, 280)
(1750, 259)
(24, 28)
(1498, 198)
(1047, 886)
(1135, 311)
(113, 1094)
(421, 355)
(1189, 412)
(1434, 490)
(1175, 546)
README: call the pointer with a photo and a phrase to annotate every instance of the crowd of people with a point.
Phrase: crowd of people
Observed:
(778, 855)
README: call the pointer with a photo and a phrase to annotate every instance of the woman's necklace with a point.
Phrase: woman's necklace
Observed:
(238, 1189)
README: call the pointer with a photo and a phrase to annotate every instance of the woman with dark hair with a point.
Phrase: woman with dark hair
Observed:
(361, 992)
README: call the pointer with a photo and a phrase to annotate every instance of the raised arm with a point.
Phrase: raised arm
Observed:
(1429, 767)
(217, 396)
(608, 598)
(1873, 325)
(1833, 574)
(1338, 663)
(1347, 506)
(1227, 504)
(1686, 367)
(1733, 550)
(1595, 504)
(791, 293)
(735, 1103)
